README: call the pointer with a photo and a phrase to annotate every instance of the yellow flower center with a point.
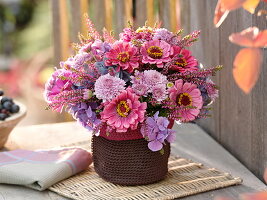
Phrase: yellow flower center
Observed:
(184, 99)
(155, 52)
(181, 62)
(123, 109)
(143, 29)
(123, 56)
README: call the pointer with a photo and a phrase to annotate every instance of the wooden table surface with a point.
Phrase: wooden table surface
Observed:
(192, 143)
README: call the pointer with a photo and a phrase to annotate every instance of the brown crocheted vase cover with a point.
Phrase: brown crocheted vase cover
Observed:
(129, 162)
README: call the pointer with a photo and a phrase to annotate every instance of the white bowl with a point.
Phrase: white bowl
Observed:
(7, 126)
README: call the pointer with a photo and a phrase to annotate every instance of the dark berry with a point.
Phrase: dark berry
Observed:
(1, 92)
(4, 99)
(14, 108)
(3, 116)
(7, 105)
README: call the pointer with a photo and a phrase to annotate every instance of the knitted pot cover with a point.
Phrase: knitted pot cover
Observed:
(129, 162)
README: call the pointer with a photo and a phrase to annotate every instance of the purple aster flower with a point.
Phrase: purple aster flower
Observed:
(84, 114)
(108, 87)
(155, 130)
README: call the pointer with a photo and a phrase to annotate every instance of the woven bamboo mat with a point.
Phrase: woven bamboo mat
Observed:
(185, 178)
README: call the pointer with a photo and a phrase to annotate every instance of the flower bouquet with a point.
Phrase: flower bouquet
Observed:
(128, 93)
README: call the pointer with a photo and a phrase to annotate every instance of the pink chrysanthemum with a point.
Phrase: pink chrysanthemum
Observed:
(153, 77)
(108, 87)
(156, 52)
(188, 98)
(185, 62)
(124, 55)
(159, 92)
(124, 112)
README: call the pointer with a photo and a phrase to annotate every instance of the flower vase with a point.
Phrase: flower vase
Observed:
(125, 159)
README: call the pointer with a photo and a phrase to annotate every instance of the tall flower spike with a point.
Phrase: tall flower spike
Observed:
(108, 37)
(92, 32)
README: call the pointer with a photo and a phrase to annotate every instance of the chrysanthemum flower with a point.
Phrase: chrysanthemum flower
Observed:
(164, 34)
(185, 61)
(124, 55)
(108, 87)
(153, 77)
(188, 98)
(159, 92)
(124, 112)
(156, 52)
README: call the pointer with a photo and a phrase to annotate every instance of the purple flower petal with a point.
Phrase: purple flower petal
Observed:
(155, 145)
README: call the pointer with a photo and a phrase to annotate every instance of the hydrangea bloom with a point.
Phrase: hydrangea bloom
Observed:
(185, 61)
(156, 52)
(84, 114)
(124, 112)
(155, 129)
(107, 87)
(123, 55)
(188, 98)
(99, 48)
(81, 58)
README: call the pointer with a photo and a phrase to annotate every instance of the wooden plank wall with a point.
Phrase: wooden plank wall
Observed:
(112, 14)
(239, 121)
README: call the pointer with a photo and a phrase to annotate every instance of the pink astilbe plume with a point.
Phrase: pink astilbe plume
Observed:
(108, 37)
(92, 32)
(188, 40)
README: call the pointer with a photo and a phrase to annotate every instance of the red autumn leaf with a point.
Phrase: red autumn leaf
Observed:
(219, 15)
(246, 69)
(232, 4)
(251, 5)
(223, 7)
(255, 196)
(250, 37)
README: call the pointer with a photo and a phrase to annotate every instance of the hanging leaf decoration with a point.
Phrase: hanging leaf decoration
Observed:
(255, 196)
(251, 5)
(219, 15)
(246, 69)
(223, 7)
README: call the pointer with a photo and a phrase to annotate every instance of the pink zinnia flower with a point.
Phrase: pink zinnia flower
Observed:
(108, 87)
(156, 52)
(124, 55)
(188, 98)
(185, 62)
(55, 86)
(125, 111)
